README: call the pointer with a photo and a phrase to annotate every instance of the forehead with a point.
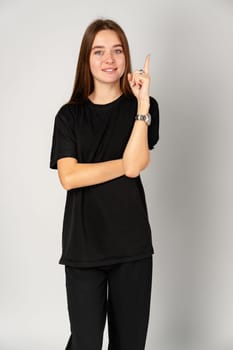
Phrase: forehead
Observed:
(106, 37)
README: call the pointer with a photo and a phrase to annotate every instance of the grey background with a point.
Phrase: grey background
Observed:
(188, 184)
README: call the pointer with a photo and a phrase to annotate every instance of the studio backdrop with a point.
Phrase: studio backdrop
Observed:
(188, 183)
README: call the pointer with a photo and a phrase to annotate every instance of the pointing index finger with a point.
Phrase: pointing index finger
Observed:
(147, 64)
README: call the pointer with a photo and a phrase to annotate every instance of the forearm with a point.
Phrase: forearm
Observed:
(136, 154)
(86, 174)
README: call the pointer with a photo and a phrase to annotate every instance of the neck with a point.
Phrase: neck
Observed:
(105, 93)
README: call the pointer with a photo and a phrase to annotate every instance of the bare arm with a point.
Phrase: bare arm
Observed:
(73, 174)
(136, 154)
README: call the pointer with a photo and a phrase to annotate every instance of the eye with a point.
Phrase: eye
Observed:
(99, 52)
(118, 51)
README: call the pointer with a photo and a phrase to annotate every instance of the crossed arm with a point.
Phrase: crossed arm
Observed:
(136, 156)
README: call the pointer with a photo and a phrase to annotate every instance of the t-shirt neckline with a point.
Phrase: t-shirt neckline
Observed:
(106, 105)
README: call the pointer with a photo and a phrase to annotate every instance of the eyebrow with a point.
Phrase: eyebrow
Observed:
(102, 47)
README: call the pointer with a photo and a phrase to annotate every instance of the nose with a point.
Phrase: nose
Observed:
(109, 57)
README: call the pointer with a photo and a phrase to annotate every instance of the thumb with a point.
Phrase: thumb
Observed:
(130, 76)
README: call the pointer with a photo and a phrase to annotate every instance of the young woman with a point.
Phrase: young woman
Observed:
(101, 142)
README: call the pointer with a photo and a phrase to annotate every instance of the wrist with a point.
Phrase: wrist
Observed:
(143, 106)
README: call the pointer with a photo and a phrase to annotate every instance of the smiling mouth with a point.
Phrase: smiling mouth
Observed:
(109, 70)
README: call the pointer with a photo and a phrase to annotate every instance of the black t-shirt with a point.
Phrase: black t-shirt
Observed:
(104, 223)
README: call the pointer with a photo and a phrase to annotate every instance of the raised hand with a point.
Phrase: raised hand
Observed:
(140, 81)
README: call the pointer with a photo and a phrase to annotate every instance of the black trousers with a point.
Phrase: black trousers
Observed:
(122, 292)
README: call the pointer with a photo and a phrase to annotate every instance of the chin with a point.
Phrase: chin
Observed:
(109, 81)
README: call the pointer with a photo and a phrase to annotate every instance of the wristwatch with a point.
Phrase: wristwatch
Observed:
(146, 118)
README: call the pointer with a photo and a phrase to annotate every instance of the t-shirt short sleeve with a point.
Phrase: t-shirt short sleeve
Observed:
(63, 140)
(153, 128)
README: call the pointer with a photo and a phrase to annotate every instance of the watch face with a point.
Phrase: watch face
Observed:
(148, 119)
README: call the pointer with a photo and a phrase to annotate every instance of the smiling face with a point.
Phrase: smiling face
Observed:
(107, 59)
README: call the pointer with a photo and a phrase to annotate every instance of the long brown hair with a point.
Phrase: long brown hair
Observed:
(83, 83)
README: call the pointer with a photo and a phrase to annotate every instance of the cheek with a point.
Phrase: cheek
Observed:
(123, 59)
(94, 64)
(123, 63)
